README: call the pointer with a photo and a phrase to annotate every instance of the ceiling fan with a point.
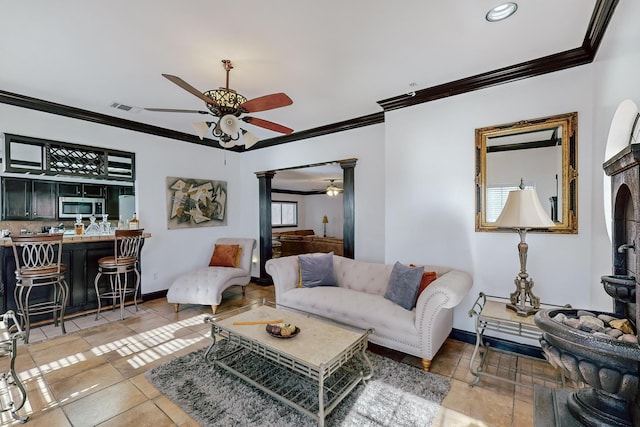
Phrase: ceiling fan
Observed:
(228, 105)
(332, 190)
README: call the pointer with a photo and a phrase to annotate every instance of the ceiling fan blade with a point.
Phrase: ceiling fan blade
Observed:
(175, 110)
(267, 125)
(186, 86)
(267, 102)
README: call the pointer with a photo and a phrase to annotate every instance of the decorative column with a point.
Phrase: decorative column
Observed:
(348, 206)
(264, 207)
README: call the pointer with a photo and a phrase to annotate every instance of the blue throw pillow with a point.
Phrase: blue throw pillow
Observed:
(404, 283)
(317, 270)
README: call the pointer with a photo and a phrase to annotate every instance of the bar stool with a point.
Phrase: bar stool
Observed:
(38, 266)
(127, 245)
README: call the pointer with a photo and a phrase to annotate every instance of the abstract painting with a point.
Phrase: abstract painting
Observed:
(196, 202)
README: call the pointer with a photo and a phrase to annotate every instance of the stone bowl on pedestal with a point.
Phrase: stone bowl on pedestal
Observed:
(609, 365)
(620, 287)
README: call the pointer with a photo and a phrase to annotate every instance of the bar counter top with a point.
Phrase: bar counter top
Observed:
(77, 238)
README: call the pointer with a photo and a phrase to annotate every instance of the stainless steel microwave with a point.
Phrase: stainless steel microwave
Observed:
(70, 207)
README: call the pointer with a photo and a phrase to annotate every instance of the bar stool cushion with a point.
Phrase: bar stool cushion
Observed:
(110, 261)
(42, 271)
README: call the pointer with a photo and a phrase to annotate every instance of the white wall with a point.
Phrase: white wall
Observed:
(168, 253)
(430, 158)
(318, 205)
(616, 78)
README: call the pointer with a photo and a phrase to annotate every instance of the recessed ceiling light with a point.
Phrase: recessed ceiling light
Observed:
(502, 11)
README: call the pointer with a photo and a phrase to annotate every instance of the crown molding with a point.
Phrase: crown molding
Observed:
(584, 54)
(368, 120)
(600, 19)
(24, 101)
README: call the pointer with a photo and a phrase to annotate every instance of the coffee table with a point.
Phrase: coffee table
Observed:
(312, 372)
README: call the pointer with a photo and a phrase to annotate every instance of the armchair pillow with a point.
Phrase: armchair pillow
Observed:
(403, 285)
(224, 256)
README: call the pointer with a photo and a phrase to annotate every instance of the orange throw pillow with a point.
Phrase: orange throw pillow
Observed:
(224, 256)
(427, 278)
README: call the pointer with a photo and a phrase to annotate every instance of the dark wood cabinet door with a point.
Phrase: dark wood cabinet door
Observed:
(66, 189)
(44, 200)
(16, 197)
(91, 190)
(112, 201)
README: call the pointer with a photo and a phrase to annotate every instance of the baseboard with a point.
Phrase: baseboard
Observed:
(262, 281)
(154, 295)
(498, 343)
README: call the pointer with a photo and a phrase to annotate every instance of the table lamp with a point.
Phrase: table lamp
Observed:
(325, 221)
(522, 212)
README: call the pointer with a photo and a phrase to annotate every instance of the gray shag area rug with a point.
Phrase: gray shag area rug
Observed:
(396, 395)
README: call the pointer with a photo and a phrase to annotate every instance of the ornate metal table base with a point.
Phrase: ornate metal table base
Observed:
(10, 380)
(310, 388)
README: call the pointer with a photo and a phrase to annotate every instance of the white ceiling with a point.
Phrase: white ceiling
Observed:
(334, 58)
(314, 178)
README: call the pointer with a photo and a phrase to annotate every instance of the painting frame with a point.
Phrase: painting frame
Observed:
(193, 202)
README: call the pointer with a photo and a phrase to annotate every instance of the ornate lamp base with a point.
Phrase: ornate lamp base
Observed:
(522, 295)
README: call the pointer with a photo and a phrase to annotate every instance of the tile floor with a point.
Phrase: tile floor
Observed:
(94, 375)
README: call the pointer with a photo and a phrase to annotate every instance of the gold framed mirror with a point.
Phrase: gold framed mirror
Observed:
(539, 153)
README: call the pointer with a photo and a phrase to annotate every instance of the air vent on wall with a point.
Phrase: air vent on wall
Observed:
(124, 107)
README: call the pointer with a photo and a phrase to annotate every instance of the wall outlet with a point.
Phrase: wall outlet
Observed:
(155, 276)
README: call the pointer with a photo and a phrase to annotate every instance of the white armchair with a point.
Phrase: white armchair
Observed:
(205, 285)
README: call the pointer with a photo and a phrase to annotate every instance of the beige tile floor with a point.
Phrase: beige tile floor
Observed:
(94, 375)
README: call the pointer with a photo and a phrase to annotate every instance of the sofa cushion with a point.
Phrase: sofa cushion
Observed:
(369, 277)
(358, 309)
(317, 270)
(224, 256)
(403, 285)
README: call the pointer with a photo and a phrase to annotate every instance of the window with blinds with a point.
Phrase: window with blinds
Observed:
(496, 199)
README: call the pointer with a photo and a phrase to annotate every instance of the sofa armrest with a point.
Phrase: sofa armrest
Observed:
(446, 292)
(285, 272)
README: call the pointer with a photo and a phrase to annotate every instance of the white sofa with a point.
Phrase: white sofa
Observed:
(359, 300)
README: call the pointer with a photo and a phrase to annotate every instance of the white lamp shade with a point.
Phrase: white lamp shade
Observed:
(229, 124)
(201, 129)
(249, 139)
(523, 210)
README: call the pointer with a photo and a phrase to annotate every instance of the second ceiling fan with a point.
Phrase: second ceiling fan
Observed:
(228, 105)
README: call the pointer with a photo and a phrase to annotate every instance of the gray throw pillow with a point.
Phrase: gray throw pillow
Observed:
(403, 285)
(317, 270)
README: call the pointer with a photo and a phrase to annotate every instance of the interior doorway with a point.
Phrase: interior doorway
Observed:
(305, 179)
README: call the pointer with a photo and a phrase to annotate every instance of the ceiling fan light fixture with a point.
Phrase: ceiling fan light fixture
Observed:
(249, 139)
(501, 12)
(229, 124)
(332, 190)
(201, 128)
(228, 101)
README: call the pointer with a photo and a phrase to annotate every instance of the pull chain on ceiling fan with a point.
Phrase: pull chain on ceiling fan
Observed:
(228, 105)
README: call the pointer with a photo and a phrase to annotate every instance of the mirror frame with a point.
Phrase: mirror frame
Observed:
(569, 123)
